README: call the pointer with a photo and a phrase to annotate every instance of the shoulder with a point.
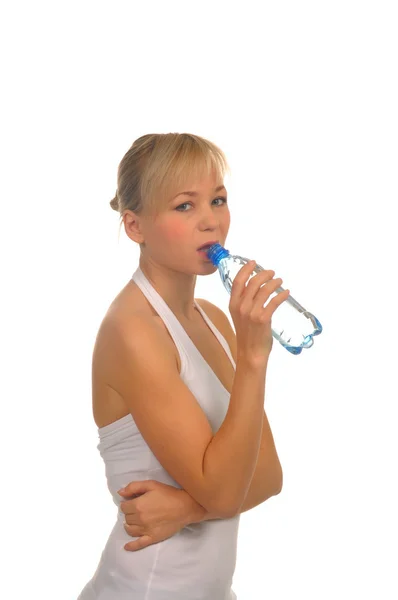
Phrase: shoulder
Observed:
(221, 321)
(136, 327)
(120, 333)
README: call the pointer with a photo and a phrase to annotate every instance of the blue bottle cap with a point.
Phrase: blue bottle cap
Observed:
(216, 252)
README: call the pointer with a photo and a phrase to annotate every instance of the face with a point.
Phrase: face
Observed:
(185, 223)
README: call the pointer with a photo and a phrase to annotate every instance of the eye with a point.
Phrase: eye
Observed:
(224, 201)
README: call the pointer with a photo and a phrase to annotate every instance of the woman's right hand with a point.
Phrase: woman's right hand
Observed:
(251, 318)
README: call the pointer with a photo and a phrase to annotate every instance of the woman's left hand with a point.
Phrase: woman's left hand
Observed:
(159, 512)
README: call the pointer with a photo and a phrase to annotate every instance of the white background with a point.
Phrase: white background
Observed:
(302, 97)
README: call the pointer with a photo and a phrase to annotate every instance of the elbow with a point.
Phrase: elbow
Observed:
(279, 483)
(223, 507)
(230, 510)
(223, 510)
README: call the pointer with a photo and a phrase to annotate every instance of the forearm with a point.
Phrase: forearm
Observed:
(230, 458)
(258, 493)
(266, 482)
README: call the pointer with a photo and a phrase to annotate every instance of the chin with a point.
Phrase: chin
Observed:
(209, 267)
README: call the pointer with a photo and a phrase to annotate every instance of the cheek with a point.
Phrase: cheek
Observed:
(176, 231)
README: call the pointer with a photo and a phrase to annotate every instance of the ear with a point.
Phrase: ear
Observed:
(133, 226)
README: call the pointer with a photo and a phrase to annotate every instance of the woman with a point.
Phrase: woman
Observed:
(178, 397)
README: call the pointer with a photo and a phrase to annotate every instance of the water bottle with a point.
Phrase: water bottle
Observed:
(292, 325)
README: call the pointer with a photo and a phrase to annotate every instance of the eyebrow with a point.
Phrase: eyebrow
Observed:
(189, 193)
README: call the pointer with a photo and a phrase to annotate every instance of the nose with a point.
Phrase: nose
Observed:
(209, 218)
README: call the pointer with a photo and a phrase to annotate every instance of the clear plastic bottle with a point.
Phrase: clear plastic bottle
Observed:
(292, 325)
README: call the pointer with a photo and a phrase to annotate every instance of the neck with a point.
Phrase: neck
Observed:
(177, 289)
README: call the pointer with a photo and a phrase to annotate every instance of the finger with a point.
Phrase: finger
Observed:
(262, 281)
(245, 271)
(142, 542)
(134, 530)
(277, 301)
(238, 284)
(280, 297)
(128, 507)
(259, 280)
(267, 290)
(256, 295)
(137, 487)
(133, 519)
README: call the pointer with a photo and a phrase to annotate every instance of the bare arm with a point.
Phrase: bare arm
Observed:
(231, 456)
(215, 469)
(267, 482)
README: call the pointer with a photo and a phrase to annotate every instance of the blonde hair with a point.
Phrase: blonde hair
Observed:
(157, 165)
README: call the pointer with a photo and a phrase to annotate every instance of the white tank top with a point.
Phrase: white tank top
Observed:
(197, 563)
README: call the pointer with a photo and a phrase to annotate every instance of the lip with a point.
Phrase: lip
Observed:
(200, 249)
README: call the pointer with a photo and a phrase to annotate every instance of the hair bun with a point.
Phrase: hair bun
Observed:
(115, 202)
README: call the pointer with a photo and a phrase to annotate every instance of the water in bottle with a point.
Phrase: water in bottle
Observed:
(292, 325)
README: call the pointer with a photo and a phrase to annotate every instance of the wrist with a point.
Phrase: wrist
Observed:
(252, 362)
(193, 512)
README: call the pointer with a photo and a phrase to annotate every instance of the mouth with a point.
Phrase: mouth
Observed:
(205, 247)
